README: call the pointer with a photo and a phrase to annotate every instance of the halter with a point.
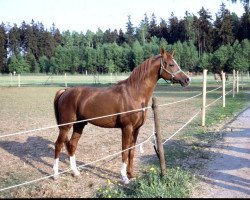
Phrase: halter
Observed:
(173, 74)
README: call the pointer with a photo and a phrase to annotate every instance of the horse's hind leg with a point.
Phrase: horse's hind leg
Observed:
(62, 138)
(72, 144)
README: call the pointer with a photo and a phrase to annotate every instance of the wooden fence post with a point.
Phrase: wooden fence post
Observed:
(19, 80)
(204, 93)
(65, 80)
(11, 79)
(111, 78)
(234, 83)
(160, 148)
(241, 79)
(223, 90)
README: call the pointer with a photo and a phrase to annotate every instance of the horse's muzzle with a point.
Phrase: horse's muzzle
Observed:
(184, 82)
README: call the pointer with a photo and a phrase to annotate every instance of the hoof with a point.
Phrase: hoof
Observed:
(55, 177)
(130, 175)
(125, 179)
(76, 173)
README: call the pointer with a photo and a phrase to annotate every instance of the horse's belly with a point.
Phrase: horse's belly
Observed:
(105, 122)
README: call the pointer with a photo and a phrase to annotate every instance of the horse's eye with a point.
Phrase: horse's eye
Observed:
(171, 65)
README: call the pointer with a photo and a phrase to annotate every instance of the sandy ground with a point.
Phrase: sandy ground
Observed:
(228, 174)
(28, 157)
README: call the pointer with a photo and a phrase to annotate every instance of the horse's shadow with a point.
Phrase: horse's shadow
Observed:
(36, 150)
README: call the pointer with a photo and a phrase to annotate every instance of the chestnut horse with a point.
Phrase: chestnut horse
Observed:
(82, 102)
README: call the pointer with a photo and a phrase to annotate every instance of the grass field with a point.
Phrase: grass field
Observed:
(29, 156)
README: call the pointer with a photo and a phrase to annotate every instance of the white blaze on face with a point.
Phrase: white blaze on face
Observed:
(124, 173)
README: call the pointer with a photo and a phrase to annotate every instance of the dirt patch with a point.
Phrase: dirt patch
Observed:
(228, 174)
(28, 157)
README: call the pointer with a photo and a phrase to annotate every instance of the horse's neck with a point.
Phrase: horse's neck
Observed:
(144, 88)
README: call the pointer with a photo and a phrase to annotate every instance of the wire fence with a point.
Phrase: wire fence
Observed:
(119, 152)
(65, 80)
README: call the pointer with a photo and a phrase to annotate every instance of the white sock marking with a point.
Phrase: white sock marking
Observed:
(56, 166)
(124, 173)
(73, 165)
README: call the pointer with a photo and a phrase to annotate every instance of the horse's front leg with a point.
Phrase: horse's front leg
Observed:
(126, 143)
(130, 170)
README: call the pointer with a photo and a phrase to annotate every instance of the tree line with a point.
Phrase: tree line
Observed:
(199, 43)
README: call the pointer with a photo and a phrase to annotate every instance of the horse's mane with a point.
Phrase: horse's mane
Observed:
(139, 73)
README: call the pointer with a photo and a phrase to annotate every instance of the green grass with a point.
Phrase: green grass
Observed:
(181, 173)
(189, 144)
(175, 184)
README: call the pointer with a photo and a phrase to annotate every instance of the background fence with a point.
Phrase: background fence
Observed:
(230, 86)
(66, 79)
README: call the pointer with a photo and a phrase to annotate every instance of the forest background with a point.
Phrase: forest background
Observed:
(199, 43)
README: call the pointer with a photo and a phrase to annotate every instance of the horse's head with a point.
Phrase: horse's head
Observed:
(171, 71)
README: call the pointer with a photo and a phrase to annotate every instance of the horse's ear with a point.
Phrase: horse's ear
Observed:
(162, 51)
(172, 53)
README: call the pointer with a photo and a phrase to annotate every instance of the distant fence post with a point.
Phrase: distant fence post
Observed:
(111, 78)
(241, 79)
(65, 80)
(19, 80)
(158, 137)
(234, 83)
(237, 81)
(204, 92)
(223, 90)
(11, 79)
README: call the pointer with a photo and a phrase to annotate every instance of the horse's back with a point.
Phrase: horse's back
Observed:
(83, 102)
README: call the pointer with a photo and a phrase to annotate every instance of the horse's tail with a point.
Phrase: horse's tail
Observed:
(57, 96)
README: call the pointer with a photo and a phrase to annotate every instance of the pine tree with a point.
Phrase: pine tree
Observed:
(3, 49)
(244, 29)
(204, 37)
(130, 31)
(223, 27)
(14, 40)
(173, 29)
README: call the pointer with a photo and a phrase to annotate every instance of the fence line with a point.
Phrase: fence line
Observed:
(80, 166)
(217, 99)
(100, 117)
(80, 121)
(140, 144)
(95, 118)
(189, 121)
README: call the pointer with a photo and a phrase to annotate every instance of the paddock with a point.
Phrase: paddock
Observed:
(29, 156)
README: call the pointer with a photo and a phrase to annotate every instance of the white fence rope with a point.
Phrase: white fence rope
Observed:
(86, 120)
(189, 121)
(214, 89)
(80, 121)
(166, 104)
(217, 99)
(81, 166)
(148, 139)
